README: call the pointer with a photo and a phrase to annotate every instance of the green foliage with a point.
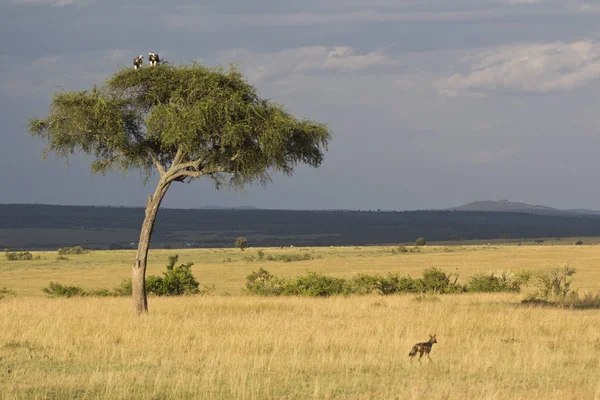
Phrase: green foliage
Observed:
(437, 281)
(499, 281)
(125, 288)
(263, 283)
(176, 281)
(315, 284)
(72, 250)
(16, 256)
(553, 284)
(241, 243)
(208, 121)
(420, 242)
(58, 290)
(6, 292)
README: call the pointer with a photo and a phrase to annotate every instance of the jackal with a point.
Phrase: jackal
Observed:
(424, 347)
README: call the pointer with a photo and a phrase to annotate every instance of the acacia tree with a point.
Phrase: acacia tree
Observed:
(181, 123)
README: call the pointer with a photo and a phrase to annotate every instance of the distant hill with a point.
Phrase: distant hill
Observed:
(506, 206)
(514, 206)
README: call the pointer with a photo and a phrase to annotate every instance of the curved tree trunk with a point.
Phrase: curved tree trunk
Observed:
(138, 278)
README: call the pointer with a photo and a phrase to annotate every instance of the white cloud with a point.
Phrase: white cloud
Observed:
(259, 66)
(532, 68)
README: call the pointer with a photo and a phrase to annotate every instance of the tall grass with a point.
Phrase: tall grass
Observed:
(296, 348)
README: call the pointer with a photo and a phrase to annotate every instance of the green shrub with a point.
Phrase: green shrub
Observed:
(176, 281)
(554, 284)
(72, 250)
(420, 242)
(436, 281)
(15, 256)
(263, 283)
(57, 290)
(362, 284)
(578, 243)
(241, 243)
(394, 283)
(125, 289)
(499, 281)
(314, 284)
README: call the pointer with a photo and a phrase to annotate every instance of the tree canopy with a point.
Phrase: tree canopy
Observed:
(207, 121)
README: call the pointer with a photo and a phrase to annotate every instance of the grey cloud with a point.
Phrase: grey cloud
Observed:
(528, 68)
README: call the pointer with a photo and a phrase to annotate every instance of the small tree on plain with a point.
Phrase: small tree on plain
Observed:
(420, 242)
(241, 243)
(180, 123)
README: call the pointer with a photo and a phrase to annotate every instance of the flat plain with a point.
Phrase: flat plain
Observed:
(229, 345)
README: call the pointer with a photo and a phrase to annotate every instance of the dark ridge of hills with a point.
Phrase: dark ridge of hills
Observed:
(30, 226)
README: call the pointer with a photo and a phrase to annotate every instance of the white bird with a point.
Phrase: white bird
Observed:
(138, 61)
(153, 58)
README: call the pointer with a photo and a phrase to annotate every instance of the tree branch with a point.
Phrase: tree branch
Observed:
(182, 174)
(178, 155)
(157, 163)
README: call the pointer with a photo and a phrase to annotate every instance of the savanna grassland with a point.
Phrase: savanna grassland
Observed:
(228, 345)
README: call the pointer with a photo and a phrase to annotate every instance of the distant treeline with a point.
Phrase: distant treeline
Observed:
(220, 228)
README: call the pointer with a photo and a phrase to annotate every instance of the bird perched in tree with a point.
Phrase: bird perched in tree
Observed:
(138, 61)
(153, 58)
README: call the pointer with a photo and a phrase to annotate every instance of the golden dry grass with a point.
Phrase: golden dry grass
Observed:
(239, 347)
(296, 348)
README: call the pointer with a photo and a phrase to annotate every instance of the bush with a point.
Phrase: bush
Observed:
(314, 284)
(420, 242)
(499, 281)
(241, 243)
(362, 284)
(125, 289)
(6, 292)
(436, 281)
(554, 284)
(578, 243)
(57, 290)
(176, 281)
(72, 250)
(263, 283)
(15, 256)
(394, 283)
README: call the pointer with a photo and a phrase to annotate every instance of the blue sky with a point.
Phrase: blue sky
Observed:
(431, 104)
